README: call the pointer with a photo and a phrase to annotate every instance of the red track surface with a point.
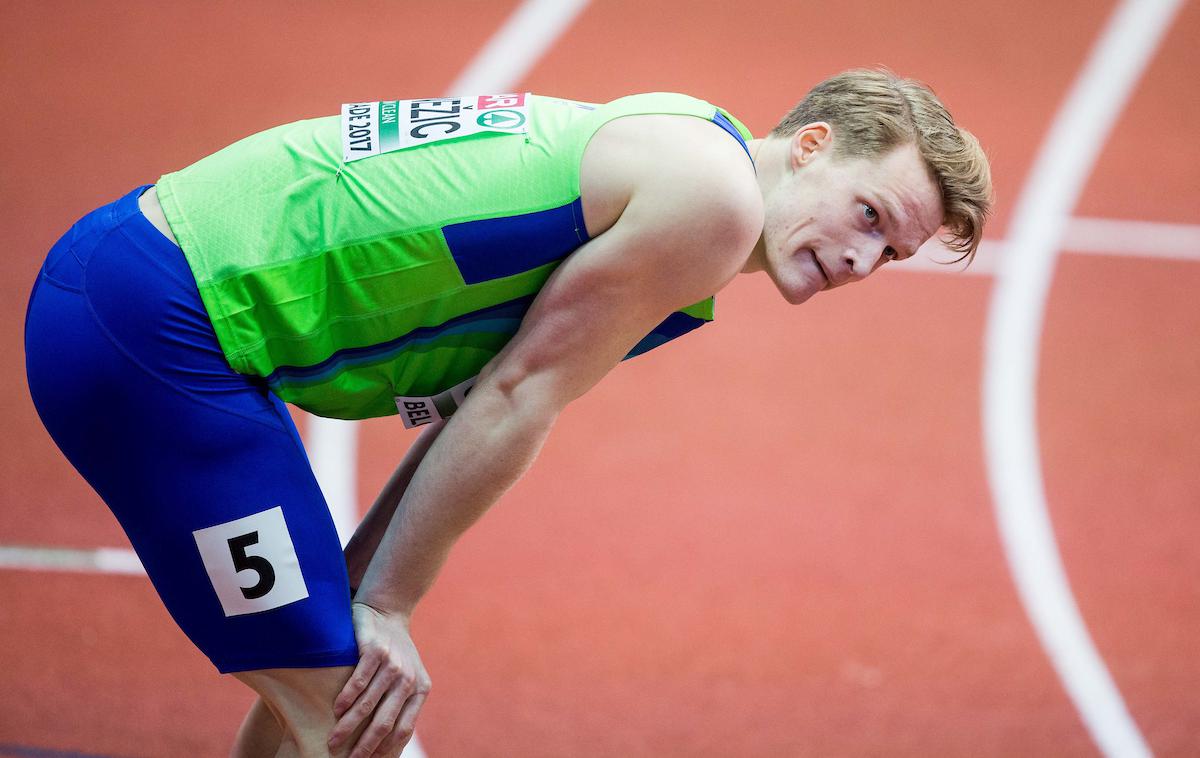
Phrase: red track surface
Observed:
(772, 538)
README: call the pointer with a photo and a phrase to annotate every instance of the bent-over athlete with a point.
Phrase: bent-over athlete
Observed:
(472, 264)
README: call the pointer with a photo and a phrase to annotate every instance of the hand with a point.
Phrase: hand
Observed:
(386, 690)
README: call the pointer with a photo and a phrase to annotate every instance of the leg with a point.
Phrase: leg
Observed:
(302, 701)
(262, 732)
(260, 735)
(202, 467)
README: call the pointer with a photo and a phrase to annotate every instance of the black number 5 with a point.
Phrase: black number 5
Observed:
(266, 573)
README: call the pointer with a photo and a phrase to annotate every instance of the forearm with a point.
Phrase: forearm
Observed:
(482, 452)
(370, 531)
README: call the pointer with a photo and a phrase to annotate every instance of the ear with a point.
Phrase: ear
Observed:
(811, 140)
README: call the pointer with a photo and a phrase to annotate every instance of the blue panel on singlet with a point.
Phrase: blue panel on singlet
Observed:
(675, 325)
(721, 121)
(492, 248)
(501, 318)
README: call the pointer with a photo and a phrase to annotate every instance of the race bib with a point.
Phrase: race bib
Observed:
(419, 411)
(384, 126)
(252, 563)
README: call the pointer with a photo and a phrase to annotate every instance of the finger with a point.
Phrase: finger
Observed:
(382, 724)
(362, 708)
(358, 681)
(405, 727)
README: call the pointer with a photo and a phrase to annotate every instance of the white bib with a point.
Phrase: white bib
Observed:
(418, 411)
(387, 125)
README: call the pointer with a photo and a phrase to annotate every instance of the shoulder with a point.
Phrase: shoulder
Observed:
(688, 174)
(673, 206)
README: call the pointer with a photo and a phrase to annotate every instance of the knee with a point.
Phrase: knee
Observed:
(302, 701)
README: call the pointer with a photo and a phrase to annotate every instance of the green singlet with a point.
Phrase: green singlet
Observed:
(369, 287)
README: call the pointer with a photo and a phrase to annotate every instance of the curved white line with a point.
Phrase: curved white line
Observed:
(1010, 364)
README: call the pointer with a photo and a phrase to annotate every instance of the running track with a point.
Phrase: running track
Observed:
(773, 538)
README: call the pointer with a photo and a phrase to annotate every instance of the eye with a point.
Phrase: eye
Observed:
(871, 214)
(889, 253)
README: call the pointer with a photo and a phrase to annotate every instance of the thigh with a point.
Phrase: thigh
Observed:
(203, 468)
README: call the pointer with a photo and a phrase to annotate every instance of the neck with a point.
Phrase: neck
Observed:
(760, 153)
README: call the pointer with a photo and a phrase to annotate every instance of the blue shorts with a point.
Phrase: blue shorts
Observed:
(202, 466)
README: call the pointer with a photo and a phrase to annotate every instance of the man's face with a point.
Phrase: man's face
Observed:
(833, 220)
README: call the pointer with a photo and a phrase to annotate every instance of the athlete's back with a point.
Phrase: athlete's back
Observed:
(357, 287)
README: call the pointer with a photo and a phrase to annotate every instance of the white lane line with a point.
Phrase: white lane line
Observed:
(1013, 332)
(517, 46)
(1106, 236)
(1083, 236)
(105, 560)
(503, 62)
(332, 446)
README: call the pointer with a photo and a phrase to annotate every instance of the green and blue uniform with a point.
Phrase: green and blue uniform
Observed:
(395, 276)
(161, 372)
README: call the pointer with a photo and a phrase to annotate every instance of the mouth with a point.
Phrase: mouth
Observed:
(821, 268)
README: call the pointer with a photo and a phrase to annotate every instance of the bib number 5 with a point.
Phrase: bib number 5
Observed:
(241, 561)
(252, 563)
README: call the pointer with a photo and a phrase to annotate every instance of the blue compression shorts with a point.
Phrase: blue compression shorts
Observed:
(202, 466)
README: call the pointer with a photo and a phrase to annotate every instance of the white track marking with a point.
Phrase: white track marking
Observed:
(332, 446)
(1010, 364)
(1141, 238)
(1084, 236)
(105, 560)
(517, 46)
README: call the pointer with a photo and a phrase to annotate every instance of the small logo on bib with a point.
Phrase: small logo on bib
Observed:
(501, 120)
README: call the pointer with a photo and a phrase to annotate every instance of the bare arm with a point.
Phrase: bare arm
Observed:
(366, 538)
(683, 232)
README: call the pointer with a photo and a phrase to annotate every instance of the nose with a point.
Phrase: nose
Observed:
(862, 260)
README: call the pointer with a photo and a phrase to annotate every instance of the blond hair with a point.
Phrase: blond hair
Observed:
(873, 110)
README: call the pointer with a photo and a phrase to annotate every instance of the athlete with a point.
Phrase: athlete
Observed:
(472, 264)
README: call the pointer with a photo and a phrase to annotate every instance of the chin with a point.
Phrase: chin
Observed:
(797, 295)
(797, 281)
